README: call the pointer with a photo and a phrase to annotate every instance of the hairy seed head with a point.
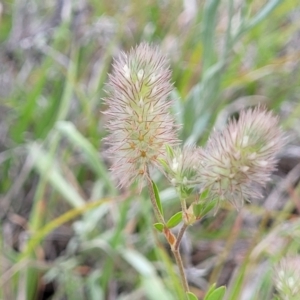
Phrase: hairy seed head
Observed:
(139, 122)
(180, 164)
(242, 155)
(287, 278)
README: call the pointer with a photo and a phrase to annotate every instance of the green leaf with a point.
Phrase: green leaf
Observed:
(138, 262)
(95, 292)
(170, 151)
(197, 209)
(163, 163)
(157, 198)
(185, 191)
(151, 282)
(209, 28)
(260, 16)
(210, 291)
(175, 220)
(203, 207)
(87, 149)
(50, 169)
(191, 296)
(264, 12)
(159, 226)
(204, 194)
(154, 288)
(217, 294)
(209, 206)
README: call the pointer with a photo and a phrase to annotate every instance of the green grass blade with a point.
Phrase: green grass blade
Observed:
(263, 13)
(88, 150)
(150, 281)
(209, 24)
(47, 168)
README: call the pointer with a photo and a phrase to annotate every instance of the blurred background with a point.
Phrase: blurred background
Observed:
(67, 232)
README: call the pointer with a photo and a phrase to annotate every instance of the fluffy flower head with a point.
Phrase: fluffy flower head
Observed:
(181, 168)
(139, 122)
(242, 155)
(180, 164)
(287, 277)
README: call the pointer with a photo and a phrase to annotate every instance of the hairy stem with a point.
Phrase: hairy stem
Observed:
(180, 235)
(179, 263)
(177, 255)
(174, 246)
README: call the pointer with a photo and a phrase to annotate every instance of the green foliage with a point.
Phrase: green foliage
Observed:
(157, 197)
(191, 296)
(54, 169)
(215, 293)
(159, 226)
(175, 220)
(47, 167)
(203, 207)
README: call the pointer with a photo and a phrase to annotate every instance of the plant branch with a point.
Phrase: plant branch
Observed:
(180, 235)
(176, 244)
(178, 258)
(179, 263)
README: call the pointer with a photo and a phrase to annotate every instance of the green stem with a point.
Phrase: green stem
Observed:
(157, 212)
(176, 245)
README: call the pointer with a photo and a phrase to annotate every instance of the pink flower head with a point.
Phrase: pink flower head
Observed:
(287, 278)
(180, 164)
(241, 156)
(139, 122)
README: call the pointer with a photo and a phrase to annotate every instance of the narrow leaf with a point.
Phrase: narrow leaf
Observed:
(209, 206)
(49, 168)
(204, 194)
(154, 288)
(175, 220)
(151, 283)
(260, 16)
(217, 294)
(163, 163)
(87, 149)
(157, 198)
(139, 262)
(169, 151)
(191, 296)
(264, 12)
(159, 226)
(209, 24)
(197, 209)
(210, 291)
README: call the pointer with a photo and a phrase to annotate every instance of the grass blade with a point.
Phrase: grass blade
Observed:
(46, 167)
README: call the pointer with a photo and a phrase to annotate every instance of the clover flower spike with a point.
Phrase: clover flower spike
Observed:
(239, 160)
(138, 119)
(287, 278)
(181, 164)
